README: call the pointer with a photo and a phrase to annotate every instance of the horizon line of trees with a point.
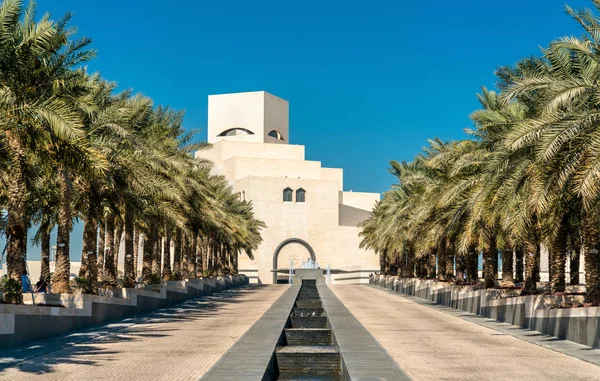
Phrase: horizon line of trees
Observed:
(528, 176)
(71, 147)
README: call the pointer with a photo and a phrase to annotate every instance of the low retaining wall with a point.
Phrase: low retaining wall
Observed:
(23, 324)
(535, 312)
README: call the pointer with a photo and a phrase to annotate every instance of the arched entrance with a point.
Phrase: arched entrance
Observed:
(287, 242)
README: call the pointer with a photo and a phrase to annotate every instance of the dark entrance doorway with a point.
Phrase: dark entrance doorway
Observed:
(282, 245)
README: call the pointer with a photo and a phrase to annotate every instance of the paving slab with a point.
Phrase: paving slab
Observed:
(429, 344)
(178, 343)
(250, 356)
(364, 358)
(570, 348)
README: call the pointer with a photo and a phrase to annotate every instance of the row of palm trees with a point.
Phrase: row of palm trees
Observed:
(71, 147)
(528, 177)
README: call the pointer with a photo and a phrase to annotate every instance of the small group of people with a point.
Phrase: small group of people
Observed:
(41, 287)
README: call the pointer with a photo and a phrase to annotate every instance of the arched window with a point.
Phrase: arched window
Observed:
(300, 195)
(276, 134)
(236, 131)
(287, 195)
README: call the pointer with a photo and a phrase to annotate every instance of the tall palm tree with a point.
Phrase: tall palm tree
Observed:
(36, 113)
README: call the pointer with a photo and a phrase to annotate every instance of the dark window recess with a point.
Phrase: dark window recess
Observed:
(287, 195)
(300, 195)
(236, 131)
(276, 134)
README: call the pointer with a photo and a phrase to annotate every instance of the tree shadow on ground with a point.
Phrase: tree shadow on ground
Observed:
(85, 347)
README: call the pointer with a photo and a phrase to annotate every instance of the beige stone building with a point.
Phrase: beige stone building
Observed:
(306, 210)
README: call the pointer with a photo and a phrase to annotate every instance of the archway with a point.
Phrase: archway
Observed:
(287, 242)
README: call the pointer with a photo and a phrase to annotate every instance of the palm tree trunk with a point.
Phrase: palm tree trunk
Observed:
(530, 252)
(538, 252)
(574, 265)
(155, 250)
(84, 257)
(110, 275)
(16, 228)
(60, 283)
(101, 248)
(519, 268)
(393, 263)
(192, 256)
(223, 253)
(24, 253)
(460, 267)
(128, 258)
(88, 248)
(234, 262)
(205, 254)
(442, 259)
(227, 261)
(221, 261)
(411, 264)
(507, 267)
(177, 253)
(472, 262)
(184, 257)
(495, 263)
(137, 238)
(449, 263)
(199, 254)
(431, 264)
(558, 257)
(420, 266)
(488, 268)
(550, 258)
(147, 258)
(45, 246)
(591, 244)
(167, 275)
(213, 257)
(118, 236)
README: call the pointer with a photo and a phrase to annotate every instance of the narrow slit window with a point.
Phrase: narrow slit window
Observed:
(300, 195)
(287, 195)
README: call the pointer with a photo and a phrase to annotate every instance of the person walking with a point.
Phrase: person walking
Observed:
(25, 282)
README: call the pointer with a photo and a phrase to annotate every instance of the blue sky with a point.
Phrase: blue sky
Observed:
(367, 81)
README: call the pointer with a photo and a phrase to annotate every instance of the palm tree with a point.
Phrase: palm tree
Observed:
(563, 134)
(35, 56)
(72, 148)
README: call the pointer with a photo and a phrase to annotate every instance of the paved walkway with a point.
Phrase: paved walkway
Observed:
(179, 343)
(431, 345)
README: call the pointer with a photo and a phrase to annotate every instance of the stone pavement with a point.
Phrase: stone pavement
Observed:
(178, 343)
(432, 345)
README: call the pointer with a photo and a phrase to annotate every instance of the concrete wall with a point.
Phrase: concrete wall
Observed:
(316, 221)
(23, 324)
(237, 168)
(536, 312)
(223, 150)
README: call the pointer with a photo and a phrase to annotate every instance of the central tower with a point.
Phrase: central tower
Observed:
(248, 117)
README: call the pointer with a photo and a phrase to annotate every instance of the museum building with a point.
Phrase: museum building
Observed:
(306, 210)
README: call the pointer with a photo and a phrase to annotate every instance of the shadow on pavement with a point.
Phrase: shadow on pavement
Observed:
(85, 347)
